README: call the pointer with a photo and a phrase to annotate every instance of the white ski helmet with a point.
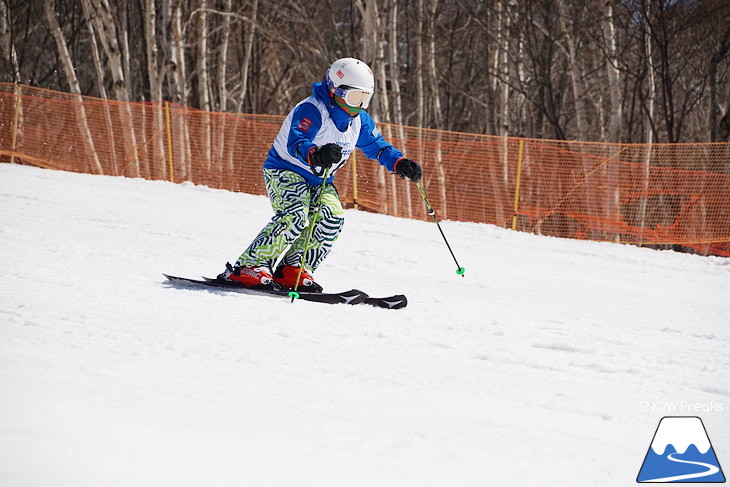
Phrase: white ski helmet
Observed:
(352, 80)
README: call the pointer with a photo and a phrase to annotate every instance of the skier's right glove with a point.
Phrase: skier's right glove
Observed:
(406, 168)
(324, 156)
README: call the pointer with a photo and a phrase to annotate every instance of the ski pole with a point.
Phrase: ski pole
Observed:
(318, 205)
(459, 270)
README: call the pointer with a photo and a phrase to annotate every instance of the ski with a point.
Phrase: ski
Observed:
(397, 301)
(392, 302)
(353, 296)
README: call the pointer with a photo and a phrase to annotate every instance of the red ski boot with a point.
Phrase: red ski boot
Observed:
(249, 276)
(286, 275)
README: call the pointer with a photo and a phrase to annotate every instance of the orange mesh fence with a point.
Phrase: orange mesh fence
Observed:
(659, 194)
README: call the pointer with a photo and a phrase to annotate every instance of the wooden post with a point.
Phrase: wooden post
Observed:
(517, 184)
(16, 120)
(168, 126)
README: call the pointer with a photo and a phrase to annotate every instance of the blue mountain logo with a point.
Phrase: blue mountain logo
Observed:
(681, 452)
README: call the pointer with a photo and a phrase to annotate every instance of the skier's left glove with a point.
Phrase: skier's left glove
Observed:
(325, 156)
(406, 168)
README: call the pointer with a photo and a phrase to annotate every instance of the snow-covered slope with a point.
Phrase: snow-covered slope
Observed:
(550, 363)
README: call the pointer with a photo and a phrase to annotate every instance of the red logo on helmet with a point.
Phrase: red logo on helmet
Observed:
(305, 124)
(340, 74)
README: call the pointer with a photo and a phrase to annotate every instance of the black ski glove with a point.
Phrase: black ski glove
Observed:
(406, 168)
(325, 156)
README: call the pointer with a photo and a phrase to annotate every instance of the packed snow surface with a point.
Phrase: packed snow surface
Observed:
(550, 363)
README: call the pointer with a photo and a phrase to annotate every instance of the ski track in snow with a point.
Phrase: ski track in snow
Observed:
(528, 371)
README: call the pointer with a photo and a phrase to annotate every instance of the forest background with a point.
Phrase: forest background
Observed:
(628, 71)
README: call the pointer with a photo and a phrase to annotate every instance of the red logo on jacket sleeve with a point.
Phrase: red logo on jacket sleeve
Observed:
(305, 124)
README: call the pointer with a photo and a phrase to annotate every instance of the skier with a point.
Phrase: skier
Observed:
(316, 138)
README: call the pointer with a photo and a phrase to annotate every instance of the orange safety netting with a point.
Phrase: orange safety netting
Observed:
(676, 194)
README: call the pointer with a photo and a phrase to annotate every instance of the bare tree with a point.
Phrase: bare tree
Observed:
(100, 14)
(154, 73)
(248, 52)
(613, 72)
(201, 58)
(70, 73)
(717, 57)
(8, 55)
(568, 23)
(177, 68)
(106, 29)
(534, 67)
(724, 124)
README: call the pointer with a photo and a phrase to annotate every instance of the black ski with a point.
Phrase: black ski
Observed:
(393, 302)
(353, 296)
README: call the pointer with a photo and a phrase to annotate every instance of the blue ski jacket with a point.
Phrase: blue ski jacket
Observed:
(316, 121)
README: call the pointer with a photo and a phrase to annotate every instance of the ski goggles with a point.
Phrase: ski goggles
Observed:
(354, 97)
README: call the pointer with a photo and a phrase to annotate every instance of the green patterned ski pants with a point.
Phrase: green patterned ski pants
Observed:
(283, 238)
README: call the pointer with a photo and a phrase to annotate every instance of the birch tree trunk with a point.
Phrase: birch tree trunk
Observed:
(612, 72)
(124, 38)
(395, 93)
(420, 117)
(382, 98)
(371, 50)
(100, 14)
(9, 55)
(503, 70)
(651, 88)
(201, 62)
(718, 56)
(153, 70)
(435, 97)
(154, 74)
(374, 56)
(165, 23)
(63, 55)
(201, 69)
(496, 66)
(369, 13)
(567, 26)
(220, 131)
(70, 73)
(106, 30)
(615, 115)
(223, 59)
(434, 92)
(178, 73)
(98, 64)
(101, 86)
(724, 125)
(248, 50)
(649, 121)
(575, 71)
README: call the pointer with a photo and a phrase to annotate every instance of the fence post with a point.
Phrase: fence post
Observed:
(16, 120)
(168, 126)
(517, 184)
(354, 180)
